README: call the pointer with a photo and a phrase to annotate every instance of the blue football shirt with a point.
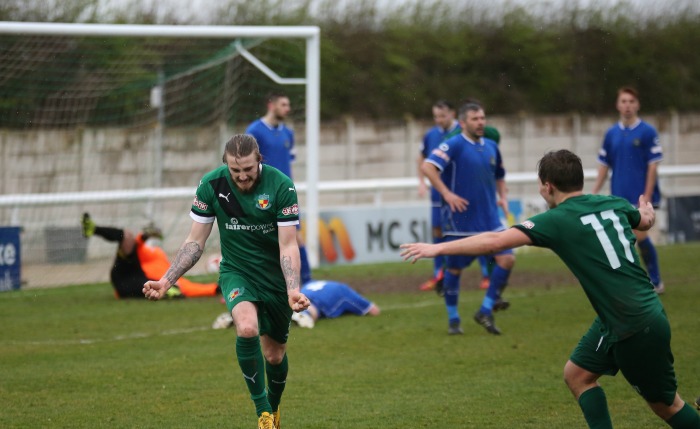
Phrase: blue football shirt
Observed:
(276, 144)
(431, 140)
(470, 170)
(628, 151)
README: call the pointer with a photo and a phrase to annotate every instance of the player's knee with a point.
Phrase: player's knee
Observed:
(246, 330)
(568, 379)
(667, 411)
(507, 262)
(577, 379)
(274, 356)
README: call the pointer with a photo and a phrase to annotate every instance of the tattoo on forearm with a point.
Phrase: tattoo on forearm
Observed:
(291, 276)
(186, 257)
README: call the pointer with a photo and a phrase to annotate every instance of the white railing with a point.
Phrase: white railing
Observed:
(49, 204)
(374, 185)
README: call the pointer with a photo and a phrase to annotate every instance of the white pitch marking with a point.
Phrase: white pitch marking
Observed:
(139, 335)
(134, 336)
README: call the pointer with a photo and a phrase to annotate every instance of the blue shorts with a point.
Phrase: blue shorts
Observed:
(435, 220)
(461, 261)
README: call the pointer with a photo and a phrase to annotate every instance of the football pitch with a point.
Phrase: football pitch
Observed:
(75, 357)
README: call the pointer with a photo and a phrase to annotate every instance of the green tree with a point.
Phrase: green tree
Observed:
(386, 61)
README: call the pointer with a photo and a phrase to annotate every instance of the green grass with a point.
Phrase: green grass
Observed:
(75, 358)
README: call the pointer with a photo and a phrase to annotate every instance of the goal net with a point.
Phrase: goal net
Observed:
(121, 122)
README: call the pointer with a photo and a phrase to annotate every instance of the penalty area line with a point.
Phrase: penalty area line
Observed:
(128, 337)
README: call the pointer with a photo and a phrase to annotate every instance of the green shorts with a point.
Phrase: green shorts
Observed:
(274, 313)
(645, 358)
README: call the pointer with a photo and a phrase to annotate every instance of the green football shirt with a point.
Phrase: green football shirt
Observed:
(248, 222)
(593, 235)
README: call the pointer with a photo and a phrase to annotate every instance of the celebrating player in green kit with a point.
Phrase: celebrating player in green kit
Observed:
(593, 235)
(256, 210)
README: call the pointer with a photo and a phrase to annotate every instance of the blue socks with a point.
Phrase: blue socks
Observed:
(484, 262)
(651, 260)
(499, 280)
(451, 287)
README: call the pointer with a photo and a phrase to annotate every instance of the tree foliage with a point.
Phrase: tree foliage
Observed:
(537, 57)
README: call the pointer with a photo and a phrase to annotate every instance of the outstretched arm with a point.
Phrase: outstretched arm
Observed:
(188, 255)
(486, 243)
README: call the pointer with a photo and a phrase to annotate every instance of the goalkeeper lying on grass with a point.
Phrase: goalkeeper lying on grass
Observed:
(140, 258)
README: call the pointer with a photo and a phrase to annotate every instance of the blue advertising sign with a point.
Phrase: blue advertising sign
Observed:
(10, 259)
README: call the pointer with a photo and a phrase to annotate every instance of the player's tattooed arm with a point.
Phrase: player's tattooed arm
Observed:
(186, 257)
(291, 274)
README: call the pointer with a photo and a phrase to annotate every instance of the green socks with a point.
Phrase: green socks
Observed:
(686, 418)
(276, 381)
(252, 364)
(595, 408)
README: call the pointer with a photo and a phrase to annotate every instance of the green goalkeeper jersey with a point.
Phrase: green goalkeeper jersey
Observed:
(248, 222)
(593, 235)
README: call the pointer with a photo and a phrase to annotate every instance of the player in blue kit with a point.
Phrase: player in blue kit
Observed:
(446, 126)
(276, 142)
(472, 177)
(632, 151)
(331, 299)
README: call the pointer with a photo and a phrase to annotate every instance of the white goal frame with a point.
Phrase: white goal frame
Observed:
(312, 79)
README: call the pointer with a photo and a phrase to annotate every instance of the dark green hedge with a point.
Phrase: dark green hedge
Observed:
(540, 58)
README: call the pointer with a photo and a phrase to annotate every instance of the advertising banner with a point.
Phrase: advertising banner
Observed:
(362, 235)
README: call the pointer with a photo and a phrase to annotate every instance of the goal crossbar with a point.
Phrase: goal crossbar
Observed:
(134, 30)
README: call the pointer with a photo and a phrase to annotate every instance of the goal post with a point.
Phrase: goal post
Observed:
(239, 44)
